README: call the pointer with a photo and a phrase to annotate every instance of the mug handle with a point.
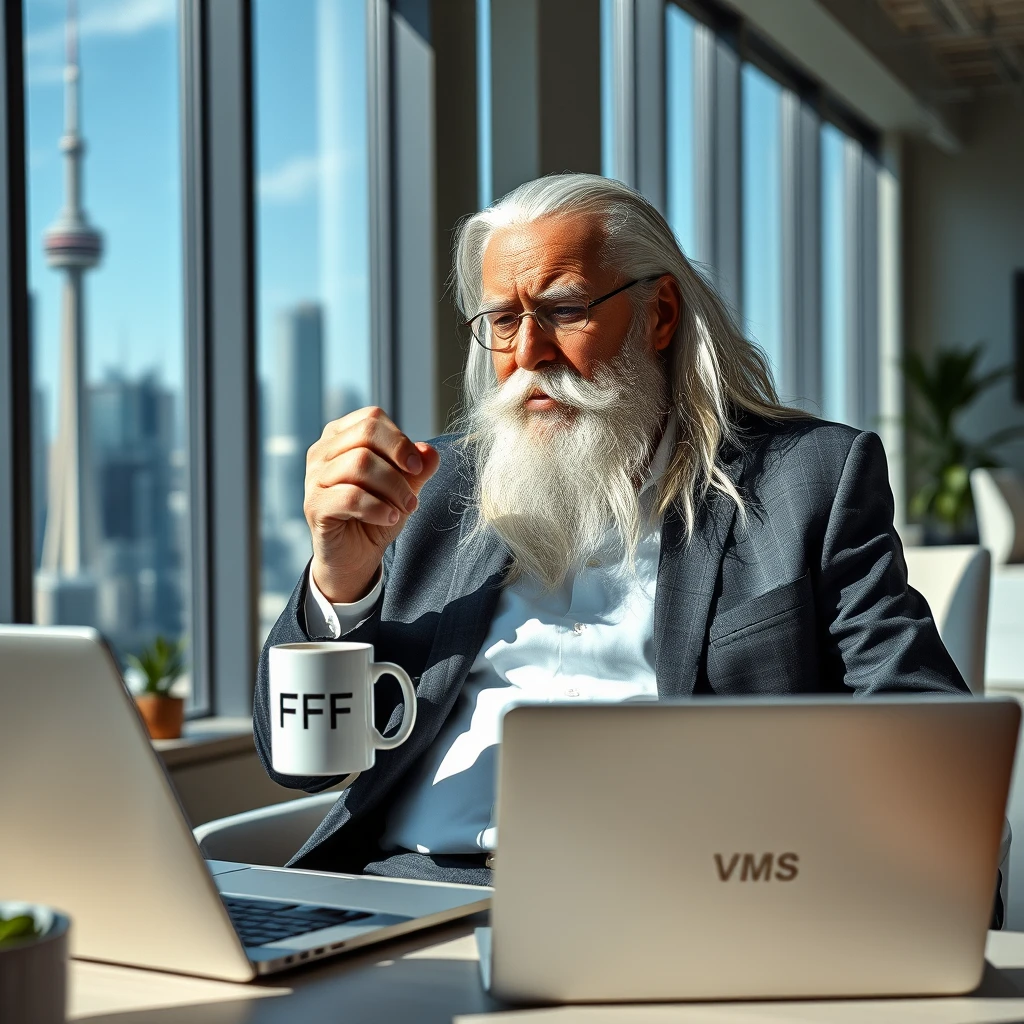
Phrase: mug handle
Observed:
(388, 668)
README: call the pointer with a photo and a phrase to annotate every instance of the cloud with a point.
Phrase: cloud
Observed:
(105, 18)
(293, 181)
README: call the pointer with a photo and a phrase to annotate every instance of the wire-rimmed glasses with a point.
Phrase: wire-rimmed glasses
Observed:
(497, 329)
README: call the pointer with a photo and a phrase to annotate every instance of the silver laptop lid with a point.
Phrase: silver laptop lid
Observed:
(91, 824)
(714, 850)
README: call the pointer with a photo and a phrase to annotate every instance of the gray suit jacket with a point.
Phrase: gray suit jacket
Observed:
(809, 596)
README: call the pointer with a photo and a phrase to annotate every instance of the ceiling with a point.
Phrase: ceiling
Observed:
(978, 45)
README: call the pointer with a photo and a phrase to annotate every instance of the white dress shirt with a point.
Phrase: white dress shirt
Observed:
(592, 639)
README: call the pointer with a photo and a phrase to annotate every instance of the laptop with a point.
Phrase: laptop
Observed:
(747, 849)
(92, 826)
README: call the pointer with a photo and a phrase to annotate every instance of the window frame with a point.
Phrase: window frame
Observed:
(16, 541)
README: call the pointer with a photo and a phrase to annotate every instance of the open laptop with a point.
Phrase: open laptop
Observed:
(92, 826)
(714, 850)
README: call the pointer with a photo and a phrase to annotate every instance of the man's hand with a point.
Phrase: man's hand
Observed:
(362, 481)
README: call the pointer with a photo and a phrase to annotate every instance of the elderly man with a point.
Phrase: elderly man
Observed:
(626, 511)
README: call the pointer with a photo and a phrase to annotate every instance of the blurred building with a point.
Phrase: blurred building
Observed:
(140, 552)
(293, 414)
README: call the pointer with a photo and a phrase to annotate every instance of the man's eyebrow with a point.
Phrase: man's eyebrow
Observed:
(563, 291)
(554, 292)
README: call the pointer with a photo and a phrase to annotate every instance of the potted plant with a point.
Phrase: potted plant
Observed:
(940, 391)
(33, 964)
(160, 665)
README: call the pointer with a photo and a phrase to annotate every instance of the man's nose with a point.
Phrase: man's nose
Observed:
(534, 346)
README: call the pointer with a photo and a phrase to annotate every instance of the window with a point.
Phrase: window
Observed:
(483, 78)
(679, 128)
(762, 211)
(834, 317)
(105, 275)
(312, 226)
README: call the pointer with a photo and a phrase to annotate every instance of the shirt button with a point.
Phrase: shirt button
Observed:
(578, 627)
(572, 692)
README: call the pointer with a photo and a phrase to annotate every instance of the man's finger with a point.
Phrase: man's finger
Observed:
(378, 433)
(349, 501)
(365, 468)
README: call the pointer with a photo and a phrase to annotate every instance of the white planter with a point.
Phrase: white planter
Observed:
(33, 973)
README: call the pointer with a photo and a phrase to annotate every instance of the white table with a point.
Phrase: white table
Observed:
(434, 978)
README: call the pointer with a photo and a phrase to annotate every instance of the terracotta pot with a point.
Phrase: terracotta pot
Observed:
(163, 715)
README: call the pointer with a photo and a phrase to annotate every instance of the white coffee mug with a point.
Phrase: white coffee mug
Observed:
(321, 708)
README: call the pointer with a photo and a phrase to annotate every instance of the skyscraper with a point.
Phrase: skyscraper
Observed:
(65, 588)
(138, 561)
(296, 406)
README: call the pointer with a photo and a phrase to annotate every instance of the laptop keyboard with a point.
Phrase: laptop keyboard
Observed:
(260, 922)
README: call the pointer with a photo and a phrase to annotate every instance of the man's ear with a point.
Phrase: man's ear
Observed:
(668, 308)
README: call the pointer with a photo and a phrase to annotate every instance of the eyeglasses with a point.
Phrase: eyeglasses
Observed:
(497, 329)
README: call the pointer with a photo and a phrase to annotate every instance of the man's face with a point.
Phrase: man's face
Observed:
(564, 435)
(555, 258)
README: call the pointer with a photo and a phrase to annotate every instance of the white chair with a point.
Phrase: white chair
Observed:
(268, 835)
(999, 508)
(954, 580)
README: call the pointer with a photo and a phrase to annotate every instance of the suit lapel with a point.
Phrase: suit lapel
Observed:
(687, 573)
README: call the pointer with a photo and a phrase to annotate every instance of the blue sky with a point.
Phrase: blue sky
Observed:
(132, 182)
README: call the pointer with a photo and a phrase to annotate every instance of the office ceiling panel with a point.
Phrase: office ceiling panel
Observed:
(978, 43)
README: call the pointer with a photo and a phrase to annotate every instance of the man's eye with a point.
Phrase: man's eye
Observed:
(567, 314)
(503, 321)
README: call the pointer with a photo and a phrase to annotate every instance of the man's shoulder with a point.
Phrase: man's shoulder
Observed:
(804, 449)
(796, 436)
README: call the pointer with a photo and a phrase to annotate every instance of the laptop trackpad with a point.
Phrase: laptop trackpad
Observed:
(353, 892)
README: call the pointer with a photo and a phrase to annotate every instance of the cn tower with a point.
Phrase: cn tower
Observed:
(73, 246)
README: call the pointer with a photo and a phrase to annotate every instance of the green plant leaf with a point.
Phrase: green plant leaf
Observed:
(160, 664)
(17, 929)
(940, 389)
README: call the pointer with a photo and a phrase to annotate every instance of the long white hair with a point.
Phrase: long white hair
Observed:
(714, 372)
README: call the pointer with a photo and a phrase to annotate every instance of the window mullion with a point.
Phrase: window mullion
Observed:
(222, 371)
(16, 540)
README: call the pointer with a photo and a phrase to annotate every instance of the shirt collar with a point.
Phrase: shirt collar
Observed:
(662, 455)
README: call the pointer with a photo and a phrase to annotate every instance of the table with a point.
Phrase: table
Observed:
(434, 977)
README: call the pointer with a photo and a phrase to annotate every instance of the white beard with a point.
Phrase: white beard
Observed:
(551, 483)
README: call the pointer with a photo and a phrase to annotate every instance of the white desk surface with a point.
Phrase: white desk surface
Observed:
(434, 977)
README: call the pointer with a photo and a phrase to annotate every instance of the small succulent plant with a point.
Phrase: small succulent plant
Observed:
(160, 664)
(17, 929)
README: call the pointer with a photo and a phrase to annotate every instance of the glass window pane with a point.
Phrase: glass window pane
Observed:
(833, 274)
(313, 299)
(762, 212)
(483, 78)
(105, 274)
(679, 126)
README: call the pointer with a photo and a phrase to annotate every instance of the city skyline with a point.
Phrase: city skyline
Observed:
(131, 118)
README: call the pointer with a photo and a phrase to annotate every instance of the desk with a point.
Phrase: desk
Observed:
(434, 978)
